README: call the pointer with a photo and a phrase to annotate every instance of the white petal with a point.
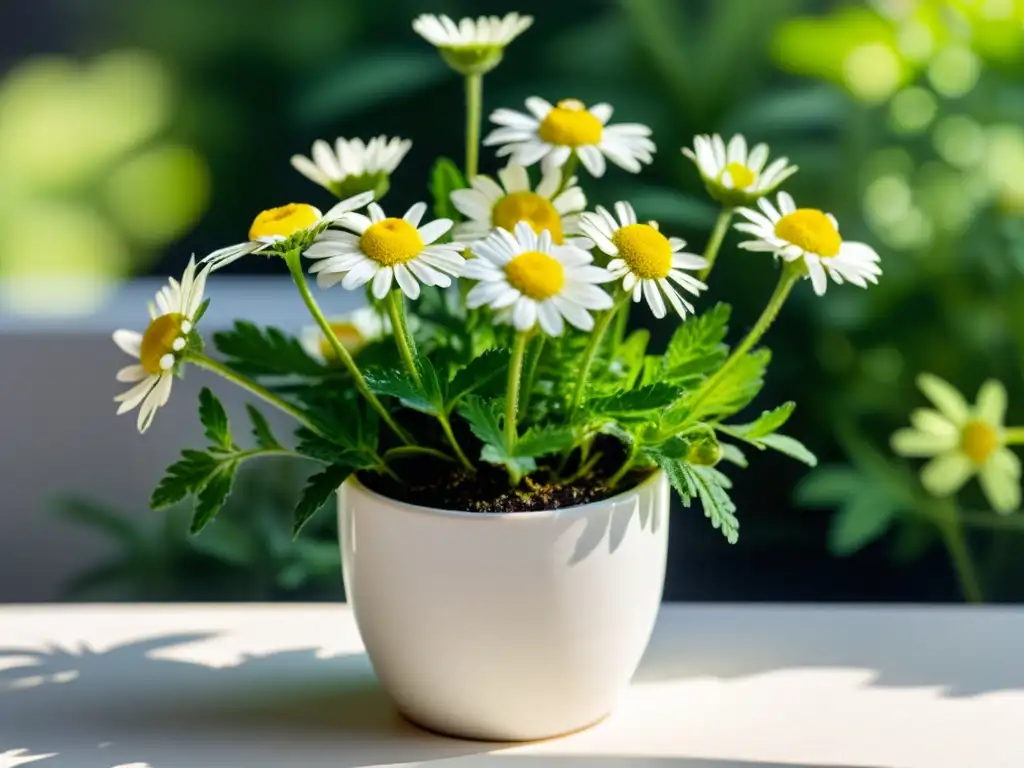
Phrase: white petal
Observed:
(308, 168)
(524, 316)
(356, 222)
(654, 299)
(945, 475)
(348, 205)
(514, 178)
(382, 282)
(944, 395)
(1001, 488)
(410, 287)
(435, 229)
(359, 275)
(325, 159)
(817, 272)
(130, 342)
(513, 119)
(538, 107)
(550, 319)
(915, 444)
(576, 315)
(592, 160)
(415, 214)
(132, 373)
(737, 150)
(132, 397)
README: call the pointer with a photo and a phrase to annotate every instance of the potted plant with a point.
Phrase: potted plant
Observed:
(504, 447)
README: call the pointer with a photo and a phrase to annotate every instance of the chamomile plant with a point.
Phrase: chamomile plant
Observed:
(492, 370)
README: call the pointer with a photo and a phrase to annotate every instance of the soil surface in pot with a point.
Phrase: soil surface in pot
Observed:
(440, 486)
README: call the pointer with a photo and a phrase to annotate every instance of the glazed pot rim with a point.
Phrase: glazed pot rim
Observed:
(354, 484)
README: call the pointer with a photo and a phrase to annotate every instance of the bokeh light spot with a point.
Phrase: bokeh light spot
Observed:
(872, 72)
(960, 141)
(954, 71)
(158, 195)
(912, 109)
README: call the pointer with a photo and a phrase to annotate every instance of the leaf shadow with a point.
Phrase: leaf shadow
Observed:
(97, 709)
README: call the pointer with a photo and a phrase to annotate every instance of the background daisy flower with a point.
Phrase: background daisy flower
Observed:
(385, 250)
(351, 166)
(160, 348)
(964, 442)
(280, 229)
(471, 46)
(734, 176)
(645, 259)
(354, 330)
(488, 205)
(537, 280)
(554, 133)
(807, 234)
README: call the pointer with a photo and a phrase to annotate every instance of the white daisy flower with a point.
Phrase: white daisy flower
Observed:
(351, 166)
(646, 261)
(554, 133)
(281, 229)
(386, 250)
(488, 205)
(733, 175)
(540, 282)
(964, 441)
(354, 330)
(471, 46)
(161, 347)
(807, 234)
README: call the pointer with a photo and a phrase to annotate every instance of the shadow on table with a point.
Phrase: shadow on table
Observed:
(962, 651)
(123, 706)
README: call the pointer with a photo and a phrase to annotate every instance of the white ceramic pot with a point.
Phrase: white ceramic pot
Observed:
(505, 627)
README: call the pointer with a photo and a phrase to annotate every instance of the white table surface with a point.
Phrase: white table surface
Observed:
(721, 687)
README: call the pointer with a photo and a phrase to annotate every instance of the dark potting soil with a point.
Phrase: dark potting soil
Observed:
(428, 483)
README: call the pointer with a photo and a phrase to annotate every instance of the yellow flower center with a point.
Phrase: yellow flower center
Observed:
(284, 221)
(646, 251)
(158, 340)
(978, 440)
(811, 230)
(742, 177)
(570, 124)
(349, 336)
(391, 242)
(530, 207)
(536, 275)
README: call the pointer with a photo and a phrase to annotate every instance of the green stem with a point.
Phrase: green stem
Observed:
(474, 110)
(787, 280)
(992, 521)
(584, 469)
(406, 344)
(567, 171)
(615, 479)
(293, 260)
(215, 366)
(416, 450)
(596, 336)
(532, 364)
(960, 555)
(1014, 436)
(407, 349)
(715, 243)
(515, 373)
(621, 324)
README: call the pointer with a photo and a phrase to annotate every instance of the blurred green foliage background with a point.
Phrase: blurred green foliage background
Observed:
(163, 126)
